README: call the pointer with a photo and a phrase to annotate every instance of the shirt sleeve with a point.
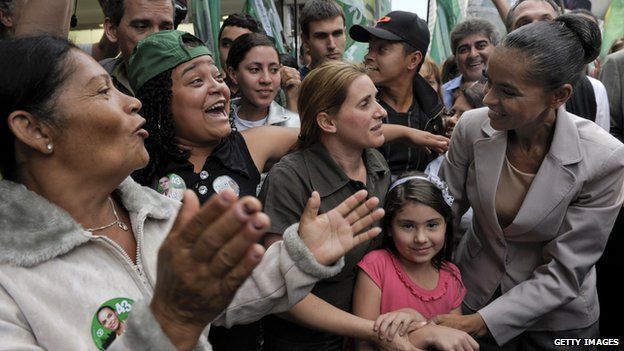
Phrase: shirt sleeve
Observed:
(283, 196)
(457, 285)
(374, 265)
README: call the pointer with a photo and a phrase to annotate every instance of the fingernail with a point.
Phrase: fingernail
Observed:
(257, 224)
(256, 256)
(240, 212)
(247, 208)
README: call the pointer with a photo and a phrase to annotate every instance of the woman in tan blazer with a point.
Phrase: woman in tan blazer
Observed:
(545, 187)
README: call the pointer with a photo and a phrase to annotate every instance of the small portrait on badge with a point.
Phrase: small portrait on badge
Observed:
(109, 321)
(172, 186)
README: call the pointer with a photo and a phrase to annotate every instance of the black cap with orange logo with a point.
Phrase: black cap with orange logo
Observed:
(396, 26)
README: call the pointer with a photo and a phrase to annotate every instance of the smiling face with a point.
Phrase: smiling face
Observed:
(472, 56)
(386, 61)
(258, 76)
(418, 232)
(200, 102)
(140, 18)
(326, 40)
(358, 123)
(102, 131)
(108, 319)
(514, 101)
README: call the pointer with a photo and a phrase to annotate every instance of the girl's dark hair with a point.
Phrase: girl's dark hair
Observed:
(475, 93)
(33, 70)
(155, 95)
(420, 191)
(241, 46)
(576, 39)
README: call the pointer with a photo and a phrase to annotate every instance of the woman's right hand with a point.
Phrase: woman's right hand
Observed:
(402, 321)
(207, 256)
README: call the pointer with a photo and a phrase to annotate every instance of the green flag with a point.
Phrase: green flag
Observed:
(363, 12)
(448, 14)
(206, 17)
(613, 26)
(265, 12)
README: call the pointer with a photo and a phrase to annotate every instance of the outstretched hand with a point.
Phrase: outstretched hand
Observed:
(437, 143)
(331, 235)
(207, 256)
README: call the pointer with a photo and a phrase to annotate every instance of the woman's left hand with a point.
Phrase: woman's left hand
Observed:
(331, 235)
(472, 324)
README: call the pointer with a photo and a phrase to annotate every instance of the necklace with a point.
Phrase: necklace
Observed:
(117, 221)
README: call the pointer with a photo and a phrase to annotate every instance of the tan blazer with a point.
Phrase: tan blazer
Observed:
(543, 261)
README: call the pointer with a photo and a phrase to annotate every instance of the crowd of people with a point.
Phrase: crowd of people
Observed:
(158, 199)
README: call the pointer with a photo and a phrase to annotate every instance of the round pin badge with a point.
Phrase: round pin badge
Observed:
(109, 321)
(172, 186)
(225, 182)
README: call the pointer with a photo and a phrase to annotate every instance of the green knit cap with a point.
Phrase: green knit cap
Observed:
(162, 51)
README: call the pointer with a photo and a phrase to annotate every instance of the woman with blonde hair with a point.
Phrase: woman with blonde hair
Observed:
(341, 125)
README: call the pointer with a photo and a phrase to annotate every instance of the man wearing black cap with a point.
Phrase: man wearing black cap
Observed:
(397, 48)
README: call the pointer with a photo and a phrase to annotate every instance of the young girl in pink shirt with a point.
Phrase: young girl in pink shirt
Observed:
(411, 279)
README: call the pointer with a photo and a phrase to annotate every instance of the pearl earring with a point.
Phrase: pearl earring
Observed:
(49, 146)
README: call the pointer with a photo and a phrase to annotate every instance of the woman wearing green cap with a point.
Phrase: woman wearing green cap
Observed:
(186, 104)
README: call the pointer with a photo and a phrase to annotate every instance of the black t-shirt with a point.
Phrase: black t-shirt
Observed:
(229, 166)
(401, 157)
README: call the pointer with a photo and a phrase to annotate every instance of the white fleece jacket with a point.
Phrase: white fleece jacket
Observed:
(54, 275)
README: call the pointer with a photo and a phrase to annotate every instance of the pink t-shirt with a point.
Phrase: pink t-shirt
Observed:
(399, 291)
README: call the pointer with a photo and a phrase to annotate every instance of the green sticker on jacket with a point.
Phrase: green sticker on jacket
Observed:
(109, 321)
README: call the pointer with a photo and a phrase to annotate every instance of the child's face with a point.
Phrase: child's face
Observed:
(418, 232)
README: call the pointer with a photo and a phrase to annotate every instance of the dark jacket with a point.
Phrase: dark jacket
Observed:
(425, 114)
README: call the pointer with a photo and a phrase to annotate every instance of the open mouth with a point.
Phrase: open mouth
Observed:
(377, 127)
(216, 110)
(140, 131)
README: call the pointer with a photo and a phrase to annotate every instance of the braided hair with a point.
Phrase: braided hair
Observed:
(161, 145)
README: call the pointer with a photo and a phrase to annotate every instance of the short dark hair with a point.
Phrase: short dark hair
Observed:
(241, 46)
(33, 70)
(576, 38)
(241, 20)
(115, 9)
(319, 10)
(510, 15)
(420, 191)
(470, 27)
(449, 69)
(288, 60)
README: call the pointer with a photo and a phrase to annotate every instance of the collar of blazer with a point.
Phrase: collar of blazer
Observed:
(552, 182)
